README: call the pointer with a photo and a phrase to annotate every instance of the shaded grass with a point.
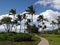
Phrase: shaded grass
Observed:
(52, 38)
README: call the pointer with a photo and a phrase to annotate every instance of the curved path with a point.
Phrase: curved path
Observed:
(43, 41)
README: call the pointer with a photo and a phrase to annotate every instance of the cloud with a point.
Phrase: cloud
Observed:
(50, 15)
(53, 3)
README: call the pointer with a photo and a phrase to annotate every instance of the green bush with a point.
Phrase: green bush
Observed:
(15, 37)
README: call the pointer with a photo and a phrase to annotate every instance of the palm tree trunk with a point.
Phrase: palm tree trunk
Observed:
(32, 18)
(8, 30)
(42, 27)
(24, 26)
(20, 26)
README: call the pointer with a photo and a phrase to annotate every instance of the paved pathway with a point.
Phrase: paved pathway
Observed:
(43, 41)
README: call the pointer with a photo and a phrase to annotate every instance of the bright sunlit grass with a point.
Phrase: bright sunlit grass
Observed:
(52, 38)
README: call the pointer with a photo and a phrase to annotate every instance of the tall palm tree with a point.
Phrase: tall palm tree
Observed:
(12, 12)
(19, 19)
(58, 24)
(41, 19)
(31, 11)
(53, 23)
(15, 24)
(7, 21)
(24, 17)
(28, 24)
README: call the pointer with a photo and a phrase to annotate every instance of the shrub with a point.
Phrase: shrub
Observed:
(15, 37)
(22, 37)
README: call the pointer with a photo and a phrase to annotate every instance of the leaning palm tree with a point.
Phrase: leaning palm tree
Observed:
(7, 21)
(41, 19)
(19, 19)
(31, 11)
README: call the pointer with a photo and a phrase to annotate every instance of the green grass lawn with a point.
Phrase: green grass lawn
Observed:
(52, 38)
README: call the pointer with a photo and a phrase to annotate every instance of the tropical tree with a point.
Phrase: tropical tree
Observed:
(53, 23)
(12, 12)
(58, 24)
(28, 23)
(31, 11)
(42, 19)
(19, 19)
(7, 21)
(32, 28)
(24, 17)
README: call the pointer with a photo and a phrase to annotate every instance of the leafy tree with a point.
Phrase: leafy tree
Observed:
(7, 21)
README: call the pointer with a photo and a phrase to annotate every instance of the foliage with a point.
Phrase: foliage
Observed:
(15, 37)
(12, 11)
(6, 20)
(30, 10)
(32, 28)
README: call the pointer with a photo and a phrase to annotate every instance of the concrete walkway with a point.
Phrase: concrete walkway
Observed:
(43, 41)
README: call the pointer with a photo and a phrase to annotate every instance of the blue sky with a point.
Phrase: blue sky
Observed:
(21, 6)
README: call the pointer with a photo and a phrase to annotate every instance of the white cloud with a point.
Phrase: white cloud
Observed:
(53, 3)
(50, 15)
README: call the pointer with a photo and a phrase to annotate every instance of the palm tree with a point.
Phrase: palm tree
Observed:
(12, 12)
(41, 19)
(31, 11)
(15, 24)
(58, 24)
(19, 19)
(7, 21)
(24, 17)
(53, 23)
(28, 24)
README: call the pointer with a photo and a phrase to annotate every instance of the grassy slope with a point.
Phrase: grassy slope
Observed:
(53, 39)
